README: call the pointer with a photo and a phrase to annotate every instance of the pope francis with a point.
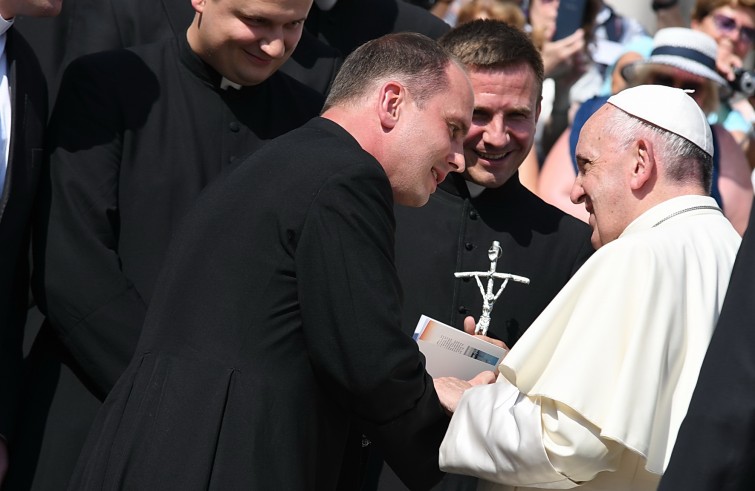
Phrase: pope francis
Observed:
(594, 392)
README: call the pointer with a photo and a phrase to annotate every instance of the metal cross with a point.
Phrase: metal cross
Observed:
(488, 298)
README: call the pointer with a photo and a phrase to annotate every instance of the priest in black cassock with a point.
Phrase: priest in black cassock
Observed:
(715, 448)
(99, 25)
(136, 134)
(454, 231)
(274, 326)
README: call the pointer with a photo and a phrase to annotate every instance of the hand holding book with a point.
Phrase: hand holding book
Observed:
(450, 352)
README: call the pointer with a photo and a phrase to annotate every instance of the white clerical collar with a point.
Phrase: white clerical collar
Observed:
(474, 189)
(691, 204)
(225, 83)
(325, 4)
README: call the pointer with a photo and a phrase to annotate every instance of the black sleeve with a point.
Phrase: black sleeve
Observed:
(351, 299)
(715, 448)
(78, 279)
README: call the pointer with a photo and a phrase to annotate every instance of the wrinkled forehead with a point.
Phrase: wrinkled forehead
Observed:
(594, 128)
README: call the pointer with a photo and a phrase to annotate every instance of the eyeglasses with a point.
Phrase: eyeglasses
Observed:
(670, 81)
(727, 25)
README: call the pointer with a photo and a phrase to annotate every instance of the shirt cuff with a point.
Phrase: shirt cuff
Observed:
(496, 434)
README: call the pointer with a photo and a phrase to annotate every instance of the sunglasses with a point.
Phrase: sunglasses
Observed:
(669, 81)
(727, 25)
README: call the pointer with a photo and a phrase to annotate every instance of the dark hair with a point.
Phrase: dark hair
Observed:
(703, 8)
(489, 44)
(412, 59)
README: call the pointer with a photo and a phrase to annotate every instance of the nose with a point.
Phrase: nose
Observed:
(274, 44)
(456, 157)
(496, 134)
(577, 194)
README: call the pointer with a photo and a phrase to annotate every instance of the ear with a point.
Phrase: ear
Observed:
(643, 164)
(392, 100)
(198, 5)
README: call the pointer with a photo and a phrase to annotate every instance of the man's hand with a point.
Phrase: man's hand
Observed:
(727, 60)
(469, 328)
(450, 389)
(565, 56)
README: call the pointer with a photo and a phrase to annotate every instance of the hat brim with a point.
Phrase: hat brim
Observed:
(631, 70)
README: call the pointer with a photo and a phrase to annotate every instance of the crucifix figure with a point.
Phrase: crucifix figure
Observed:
(488, 297)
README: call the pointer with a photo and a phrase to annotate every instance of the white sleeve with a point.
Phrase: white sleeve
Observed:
(500, 435)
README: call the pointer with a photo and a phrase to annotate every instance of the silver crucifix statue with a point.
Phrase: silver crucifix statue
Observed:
(488, 298)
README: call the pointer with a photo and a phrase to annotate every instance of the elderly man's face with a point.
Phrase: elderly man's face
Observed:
(507, 105)
(601, 183)
(247, 40)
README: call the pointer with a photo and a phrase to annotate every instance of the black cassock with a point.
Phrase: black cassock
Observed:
(136, 134)
(273, 329)
(453, 233)
(715, 448)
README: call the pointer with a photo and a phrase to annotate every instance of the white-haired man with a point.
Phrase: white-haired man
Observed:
(594, 392)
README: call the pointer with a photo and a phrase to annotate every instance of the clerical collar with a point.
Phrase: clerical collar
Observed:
(474, 189)
(200, 68)
(456, 185)
(671, 210)
(325, 4)
(225, 83)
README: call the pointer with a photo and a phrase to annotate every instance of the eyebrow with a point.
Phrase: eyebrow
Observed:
(266, 16)
(581, 160)
(462, 125)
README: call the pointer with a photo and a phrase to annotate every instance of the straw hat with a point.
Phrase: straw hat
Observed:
(682, 48)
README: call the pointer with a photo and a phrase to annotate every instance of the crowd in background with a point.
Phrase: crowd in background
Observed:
(60, 379)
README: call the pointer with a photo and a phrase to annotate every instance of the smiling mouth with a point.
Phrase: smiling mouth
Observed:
(491, 156)
(438, 176)
(257, 58)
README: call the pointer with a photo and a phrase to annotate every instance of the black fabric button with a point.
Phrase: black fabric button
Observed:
(463, 309)
(234, 126)
(469, 246)
(473, 214)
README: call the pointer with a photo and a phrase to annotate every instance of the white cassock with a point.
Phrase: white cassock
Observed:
(594, 392)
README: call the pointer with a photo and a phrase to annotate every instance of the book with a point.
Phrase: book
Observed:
(450, 352)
